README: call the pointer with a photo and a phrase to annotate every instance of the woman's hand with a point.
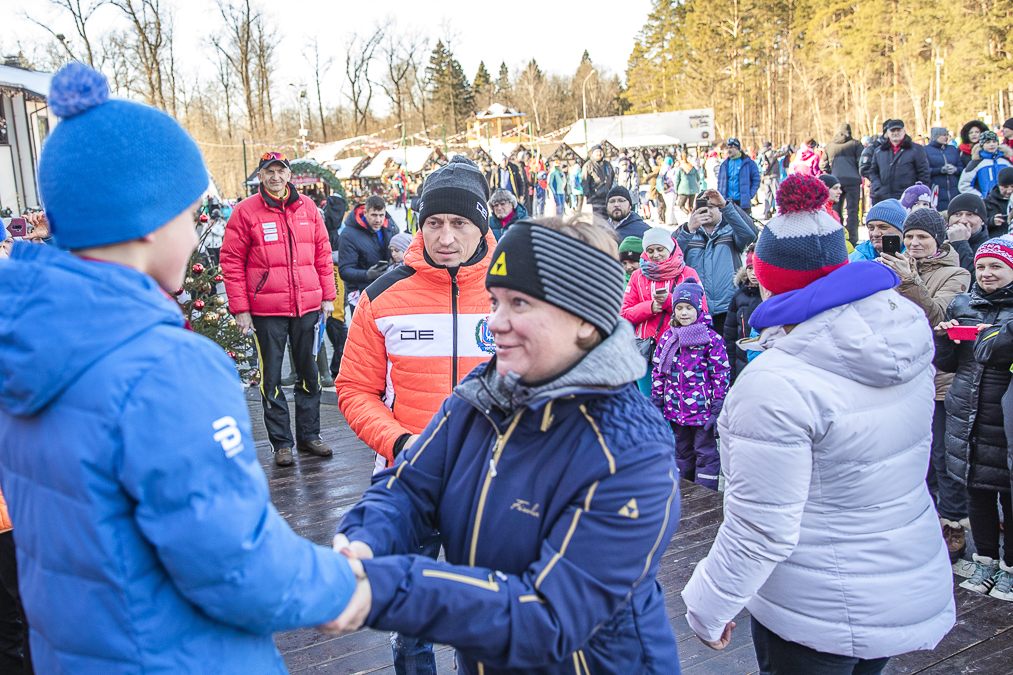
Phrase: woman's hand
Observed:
(660, 296)
(945, 326)
(902, 265)
(724, 640)
(351, 549)
(357, 610)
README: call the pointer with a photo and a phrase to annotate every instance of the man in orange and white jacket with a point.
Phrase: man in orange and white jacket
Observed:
(419, 329)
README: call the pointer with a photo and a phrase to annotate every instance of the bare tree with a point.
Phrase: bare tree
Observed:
(359, 56)
(224, 71)
(312, 56)
(149, 44)
(266, 39)
(80, 15)
(401, 54)
(238, 49)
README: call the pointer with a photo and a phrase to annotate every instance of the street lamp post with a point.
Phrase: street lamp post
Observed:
(301, 94)
(583, 95)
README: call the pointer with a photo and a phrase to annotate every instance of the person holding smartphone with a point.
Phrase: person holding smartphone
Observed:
(976, 444)
(931, 277)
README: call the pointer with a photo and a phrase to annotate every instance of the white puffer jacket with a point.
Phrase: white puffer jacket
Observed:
(830, 537)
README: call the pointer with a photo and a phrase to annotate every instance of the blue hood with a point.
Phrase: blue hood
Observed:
(844, 285)
(61, 315)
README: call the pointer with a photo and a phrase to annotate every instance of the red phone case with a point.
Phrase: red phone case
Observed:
(962, 332)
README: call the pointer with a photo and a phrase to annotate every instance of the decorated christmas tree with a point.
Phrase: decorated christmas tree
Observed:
(206, 307)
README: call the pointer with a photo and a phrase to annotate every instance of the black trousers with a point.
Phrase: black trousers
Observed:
(15, 653)
(777, 656)
(271, 334)
(337, 332)
(851, 194)
(718, 322)
(984, 516)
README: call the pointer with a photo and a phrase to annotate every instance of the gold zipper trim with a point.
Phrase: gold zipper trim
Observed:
(562, 549)
(481, 668)
(489, 585)
(583, 661)
(590, 493)
(530, 598)
(419, 453)
(547, 416)
(576, 664)
(661, 533)
(500, 444)
(601, 439)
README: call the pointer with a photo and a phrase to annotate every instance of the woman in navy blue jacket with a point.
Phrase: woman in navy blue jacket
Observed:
(548, 476)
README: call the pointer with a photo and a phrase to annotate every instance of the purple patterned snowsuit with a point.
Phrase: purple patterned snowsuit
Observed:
(689, 396)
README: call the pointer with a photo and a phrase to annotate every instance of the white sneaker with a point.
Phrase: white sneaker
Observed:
(982, 580)
(964, 568)
(1003, 580)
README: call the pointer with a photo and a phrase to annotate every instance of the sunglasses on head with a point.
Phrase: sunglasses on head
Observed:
(274, 156)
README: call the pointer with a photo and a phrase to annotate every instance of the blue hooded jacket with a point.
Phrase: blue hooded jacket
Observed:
(553, 515)
(146, 539)
(718, 255)
(749, 179)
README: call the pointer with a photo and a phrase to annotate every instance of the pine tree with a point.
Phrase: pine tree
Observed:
(503, 88)
(450, 91)
(482, 86)
(207, 311)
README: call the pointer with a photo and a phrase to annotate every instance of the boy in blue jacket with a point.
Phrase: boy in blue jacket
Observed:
(146, 538)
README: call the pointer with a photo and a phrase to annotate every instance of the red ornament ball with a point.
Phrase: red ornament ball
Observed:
(198, 304)
(232, 355)
(219, 278)
(204, 217)
(198, 268)
(179, 292)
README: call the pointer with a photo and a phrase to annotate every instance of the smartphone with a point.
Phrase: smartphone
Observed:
(891, 244)
(18, 227)
(962, 333)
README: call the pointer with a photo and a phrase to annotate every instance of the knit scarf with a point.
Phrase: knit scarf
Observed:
(694, 335)
(665, 270)
(685, 166)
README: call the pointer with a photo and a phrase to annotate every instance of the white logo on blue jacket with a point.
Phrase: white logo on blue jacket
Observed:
(228, 435)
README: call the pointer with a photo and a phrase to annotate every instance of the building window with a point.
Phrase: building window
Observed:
(3, 125)
(43, 128)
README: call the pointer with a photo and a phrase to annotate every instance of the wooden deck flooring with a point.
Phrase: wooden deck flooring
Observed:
(315, 493)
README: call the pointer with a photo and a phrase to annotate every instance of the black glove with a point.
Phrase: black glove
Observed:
(376, 271)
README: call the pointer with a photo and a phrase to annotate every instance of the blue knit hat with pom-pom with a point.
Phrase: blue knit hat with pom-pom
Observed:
(113, 170)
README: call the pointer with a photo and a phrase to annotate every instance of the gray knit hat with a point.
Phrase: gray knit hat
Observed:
(928, 220)
(936, 132)
(401, 241)
(460, 188)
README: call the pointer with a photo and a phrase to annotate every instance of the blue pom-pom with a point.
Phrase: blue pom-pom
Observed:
(76, 88)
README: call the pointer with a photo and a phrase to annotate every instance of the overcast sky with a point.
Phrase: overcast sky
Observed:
(554, 33)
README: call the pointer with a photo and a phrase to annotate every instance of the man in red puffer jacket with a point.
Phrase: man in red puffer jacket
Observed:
(279, 277)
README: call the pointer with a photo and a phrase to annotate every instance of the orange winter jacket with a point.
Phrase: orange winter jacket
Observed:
(415, 334)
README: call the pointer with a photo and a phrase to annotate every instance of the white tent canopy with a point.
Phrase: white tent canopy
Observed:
(412, 160)
(690, 127)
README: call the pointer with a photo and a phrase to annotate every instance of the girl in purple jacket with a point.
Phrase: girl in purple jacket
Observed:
(689, 382)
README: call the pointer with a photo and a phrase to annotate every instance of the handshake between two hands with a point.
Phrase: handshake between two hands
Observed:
(357, 610)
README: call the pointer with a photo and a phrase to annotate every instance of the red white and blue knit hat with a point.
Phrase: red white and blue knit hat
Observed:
(1000, 247)
(803, 242)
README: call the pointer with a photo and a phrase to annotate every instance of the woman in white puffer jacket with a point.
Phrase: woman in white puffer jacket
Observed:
(830, 537)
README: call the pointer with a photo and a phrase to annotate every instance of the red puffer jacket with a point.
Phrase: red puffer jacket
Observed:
(277, 260)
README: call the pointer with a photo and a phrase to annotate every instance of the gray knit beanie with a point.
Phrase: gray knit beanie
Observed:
(459, 188)
(936, 132)
(928, 220)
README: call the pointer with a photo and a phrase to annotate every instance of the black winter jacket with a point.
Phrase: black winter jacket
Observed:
(518, 186)
(976, 447)
(597, 179)
(334, 212)
(740, 309)
(995, 205)
(938, 156)
(893, 172)
(865, 160)
(841, 157)
(360, 249)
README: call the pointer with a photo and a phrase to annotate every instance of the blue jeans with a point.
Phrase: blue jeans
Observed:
(412, 656)
(560, 199)
(777, 656)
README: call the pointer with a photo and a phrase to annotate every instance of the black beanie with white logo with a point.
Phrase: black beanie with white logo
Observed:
(459, 188)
